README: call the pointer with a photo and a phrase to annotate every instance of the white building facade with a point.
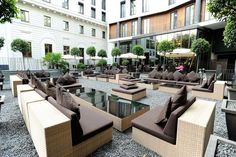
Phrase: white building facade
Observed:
(57, 26)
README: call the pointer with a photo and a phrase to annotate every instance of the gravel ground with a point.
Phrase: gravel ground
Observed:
(225, 150)
(16, 142)
(231, 105)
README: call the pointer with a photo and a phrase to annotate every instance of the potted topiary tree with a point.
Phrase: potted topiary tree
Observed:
(102, 53)
(21, 46)
(164, 47)
(199, 47)
(91, 51)
(114, 53)
(101, 63)
(81, 66)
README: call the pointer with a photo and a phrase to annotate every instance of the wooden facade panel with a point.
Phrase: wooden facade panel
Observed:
(113, 30)
(203, 9)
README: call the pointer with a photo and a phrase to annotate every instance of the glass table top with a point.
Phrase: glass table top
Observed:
(114, 105)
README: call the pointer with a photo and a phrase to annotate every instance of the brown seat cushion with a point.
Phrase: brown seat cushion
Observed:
(168, 81)
(202, 89)
(74, 85)
(129, 83)
(158, 75)
(164, 75)
(170, 76)
(103, 76)
(146, 123)
(170, 128)
(179, 98)
(178, 76)
(128, 87)
(41, 86)
(125, 71)
(130, 80)
(193, 77)
(187, 83)
(41, 93)
(152, 74)
(152, 80)
(67, 79)
(130, 91)
(211, 86)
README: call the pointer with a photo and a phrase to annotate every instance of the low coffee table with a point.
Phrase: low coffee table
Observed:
(119, 110)
(2, 98)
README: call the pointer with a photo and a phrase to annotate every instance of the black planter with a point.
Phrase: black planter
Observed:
(213, 144)
(230, 116)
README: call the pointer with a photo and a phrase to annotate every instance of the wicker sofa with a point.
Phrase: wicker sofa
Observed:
(190, 133)
(58, 131)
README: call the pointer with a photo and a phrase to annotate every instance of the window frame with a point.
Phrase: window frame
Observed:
(122, 12)
(67, 4)
(103, 4)
(175, 24)
(103, 16)
(81, 29)
(93, 10)
(66, 50)
(66, 26)
(22, 11)
(48, 17)
(93, 32)
(81, 5)
(103, 35)
(46, 47)
(93, 2)
(132, 7)
(191, 15)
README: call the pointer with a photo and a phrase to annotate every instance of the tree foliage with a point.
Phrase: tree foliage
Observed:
(166, 46)
(102, 62)
(75, 51)
(91, 51)
(138, 50)
(115, 52)
(225, 11)
(200, 46)
(125, 62)
(81, 66)
(1, 42)
(52, 59)
(21, 46)
(102, 53)
(8, 10)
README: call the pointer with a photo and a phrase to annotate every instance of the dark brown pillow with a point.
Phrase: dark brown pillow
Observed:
(69, 103)
(124, 71)
(170, 76)
(61, 80)
(69, 79)
(41, 86)
(152, 74)
(164, 75)
(128, 87)
(59, 90)
(178, 76)
(204, 84)
(179, 98)
(162, 112)
(211, 87)
(211, 78)
(158, 75)
(50, 89)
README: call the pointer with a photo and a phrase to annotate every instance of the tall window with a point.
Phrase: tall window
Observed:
(66, 25)
(66, 50)
(132, 7)
(93, 2)
(122, 9)
(93, 32)
(173, 20)
(104, 16)
(145, 6)
(48, 48)
(93, 12)
(81, 29)
(24, 15)
(81, 8)
(134, 28)
(104, 4)
(124, 30)
(28, 54)
(65, 4)
(103, 34)
(47, 21)
(189, 15)
(146, 25)
(208, 15)
(172, 2)
(49, 1)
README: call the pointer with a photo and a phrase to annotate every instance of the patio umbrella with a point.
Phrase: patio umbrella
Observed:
(97, 58)
(70, 57)
(180, 53)
(131, 56)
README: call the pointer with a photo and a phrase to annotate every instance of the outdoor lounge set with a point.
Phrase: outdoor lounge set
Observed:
(63, 124)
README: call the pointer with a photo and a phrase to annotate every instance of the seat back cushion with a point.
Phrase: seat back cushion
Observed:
(211, 78)
(76, 129)
(164, 75)
(40, 85)
(50, 89)
(178, 76)
(162, 111)
(211, 86)
(41, 93)
(170, 76)
(179, 98)
(158, 75)
(170, 128)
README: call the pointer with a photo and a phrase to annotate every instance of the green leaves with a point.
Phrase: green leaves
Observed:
(8, 10)
(1, 42)
(200, 46)
(166, 46)
(138, 50)
(81, 66)
(20, 45)
(125, 62)
(115, 52)
(75, 51)
(225, 10)
(102, 53)
(91, 51)
(102, 62)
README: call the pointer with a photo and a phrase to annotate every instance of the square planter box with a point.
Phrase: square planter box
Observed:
(229, 107)
(213, 144)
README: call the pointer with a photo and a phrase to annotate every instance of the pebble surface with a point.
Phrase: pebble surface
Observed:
(225, 150)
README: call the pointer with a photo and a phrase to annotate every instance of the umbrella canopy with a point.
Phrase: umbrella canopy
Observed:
(180, 53)
(131, 56)
(97, 58)
(70, 57)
